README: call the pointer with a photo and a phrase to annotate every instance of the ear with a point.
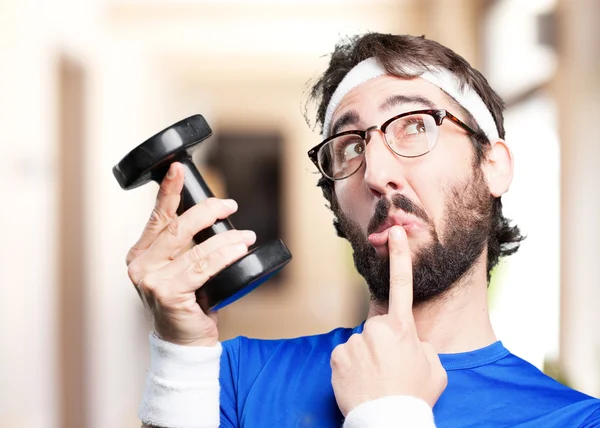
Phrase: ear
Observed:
(497, 167)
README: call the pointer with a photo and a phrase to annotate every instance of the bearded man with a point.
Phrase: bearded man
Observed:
(414, 164)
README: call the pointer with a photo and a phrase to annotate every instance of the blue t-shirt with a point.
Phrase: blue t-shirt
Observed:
(287, 383)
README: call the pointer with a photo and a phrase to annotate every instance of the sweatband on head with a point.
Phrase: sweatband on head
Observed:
(464, 94)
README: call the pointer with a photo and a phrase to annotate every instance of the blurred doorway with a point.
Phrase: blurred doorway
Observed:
(71, 282)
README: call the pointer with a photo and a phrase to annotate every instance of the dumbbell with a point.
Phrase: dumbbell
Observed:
(150, 161)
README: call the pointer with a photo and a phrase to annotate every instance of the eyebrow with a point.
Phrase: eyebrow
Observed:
(396, 100)
(351, 117)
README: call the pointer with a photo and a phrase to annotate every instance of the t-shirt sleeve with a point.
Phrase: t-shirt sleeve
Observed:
(228, 380)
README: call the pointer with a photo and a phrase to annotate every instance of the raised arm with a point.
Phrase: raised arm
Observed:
(182, 383)
(385, 376)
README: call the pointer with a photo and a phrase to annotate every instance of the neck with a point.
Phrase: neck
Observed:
(458, 320)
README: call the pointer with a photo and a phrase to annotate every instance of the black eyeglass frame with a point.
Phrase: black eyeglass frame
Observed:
(438, 115)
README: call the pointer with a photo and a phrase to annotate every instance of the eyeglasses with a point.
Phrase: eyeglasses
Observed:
(409, 135)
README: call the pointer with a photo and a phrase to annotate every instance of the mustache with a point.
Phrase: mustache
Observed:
(398, 201)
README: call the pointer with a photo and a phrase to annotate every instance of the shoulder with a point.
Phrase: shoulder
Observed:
(246, 360)
(532, 375)
(331, 338)
(262, 349)
(544, 392)
(512, 391)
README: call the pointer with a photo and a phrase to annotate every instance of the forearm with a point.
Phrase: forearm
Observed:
(391, 412)
(182, 386)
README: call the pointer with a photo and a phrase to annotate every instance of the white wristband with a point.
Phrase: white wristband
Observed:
(182, 386)
(397, 411)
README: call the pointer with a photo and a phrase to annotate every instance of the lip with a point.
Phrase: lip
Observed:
(380, 236)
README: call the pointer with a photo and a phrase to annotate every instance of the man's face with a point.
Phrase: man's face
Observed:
(440, 198)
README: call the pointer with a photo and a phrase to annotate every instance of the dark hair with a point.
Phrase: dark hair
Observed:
(398, 53)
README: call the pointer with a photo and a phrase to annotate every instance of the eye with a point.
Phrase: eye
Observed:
(352, 149)
(347, 148)
(414, 127)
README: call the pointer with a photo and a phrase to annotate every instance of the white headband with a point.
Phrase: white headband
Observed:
(440, 77)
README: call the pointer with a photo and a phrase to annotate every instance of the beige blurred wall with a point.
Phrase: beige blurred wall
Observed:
(577, 85)
(28, 364)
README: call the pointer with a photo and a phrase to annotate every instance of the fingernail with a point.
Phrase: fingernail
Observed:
(171, 171)
(395, 232)
(249, 235)
(229, 203)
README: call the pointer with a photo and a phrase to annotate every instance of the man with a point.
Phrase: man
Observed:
(414, 165)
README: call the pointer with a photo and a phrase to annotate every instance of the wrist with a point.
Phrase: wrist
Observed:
(204, 342)
(182, 385)
(182, 363)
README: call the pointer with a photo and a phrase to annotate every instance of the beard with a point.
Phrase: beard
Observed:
(438, 264)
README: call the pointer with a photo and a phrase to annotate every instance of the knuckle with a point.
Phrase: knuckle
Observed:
(200, 266)
(158, 217)
(440, 377)
(162, 190)
(354, 339)
(356, 343)
(395, 250)
(373, 322)
(175, 228)
(443, 377)
(197, 254)
(338, 355)
(441, 372)
(400, 329)
(399, 278)
(382, 331)
(222, 255)
(131, 255)
(134, 271)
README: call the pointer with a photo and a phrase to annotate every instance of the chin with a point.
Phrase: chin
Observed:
(382, 252)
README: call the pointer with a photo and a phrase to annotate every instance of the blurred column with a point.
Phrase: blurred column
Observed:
(28, 359)
(72, 284)
(578, 90)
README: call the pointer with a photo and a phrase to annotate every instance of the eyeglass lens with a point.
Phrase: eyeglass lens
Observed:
(409, 136)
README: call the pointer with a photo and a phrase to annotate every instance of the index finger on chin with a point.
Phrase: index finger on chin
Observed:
(401, 278)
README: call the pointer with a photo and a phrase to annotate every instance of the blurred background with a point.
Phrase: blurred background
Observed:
(84, 82)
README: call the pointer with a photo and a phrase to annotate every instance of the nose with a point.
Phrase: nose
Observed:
(383, 172)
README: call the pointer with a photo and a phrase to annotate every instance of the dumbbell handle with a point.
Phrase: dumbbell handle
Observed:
(194, 191)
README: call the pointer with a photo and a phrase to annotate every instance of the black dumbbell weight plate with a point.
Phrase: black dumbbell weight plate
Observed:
(144, 162)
